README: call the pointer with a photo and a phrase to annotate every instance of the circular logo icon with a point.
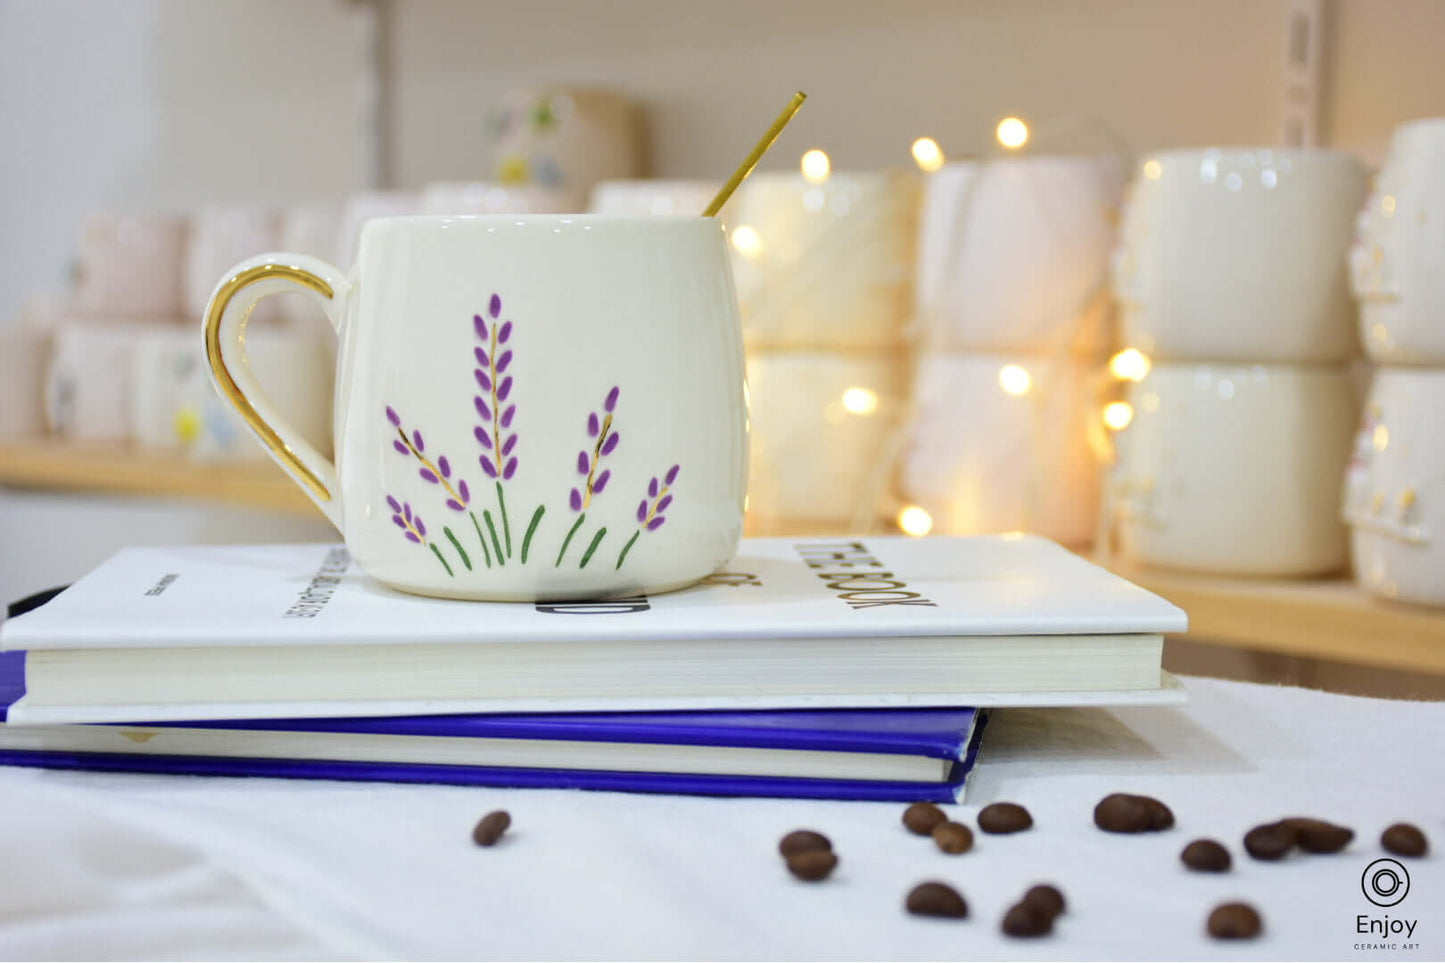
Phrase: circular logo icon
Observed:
(1385, 882)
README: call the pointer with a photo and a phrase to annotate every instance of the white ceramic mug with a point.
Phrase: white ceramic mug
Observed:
(1397, 263)
(1240, 255)
(1236, 469)
(130, 265)
(522, 402)
(1395, 491)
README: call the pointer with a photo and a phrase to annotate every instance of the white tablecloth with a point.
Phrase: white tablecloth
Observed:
(106, 866)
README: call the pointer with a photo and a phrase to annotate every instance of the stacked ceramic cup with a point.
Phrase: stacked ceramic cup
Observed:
(1395, 488)
(1231, 276)
(1015, 322)
(823, 270)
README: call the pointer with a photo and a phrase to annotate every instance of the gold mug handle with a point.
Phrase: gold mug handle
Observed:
(225, 338)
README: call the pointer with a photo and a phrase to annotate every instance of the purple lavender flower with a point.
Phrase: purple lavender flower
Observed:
(599, 427)
(650, 510)
(437, 472)
(493, 434)
(414, 529)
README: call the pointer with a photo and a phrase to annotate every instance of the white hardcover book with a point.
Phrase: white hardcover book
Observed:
(225, 632)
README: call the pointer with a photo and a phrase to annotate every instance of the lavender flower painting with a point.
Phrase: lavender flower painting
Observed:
(439, 473)
(650, 510)
(496, 413)
(414, 528)
(595, 477)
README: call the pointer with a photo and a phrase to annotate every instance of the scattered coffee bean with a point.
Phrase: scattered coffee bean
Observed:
(1122, 813)
(812, 865)
(921, 818)
(491, 828)
(1234, 921)
(1318, 836)
(1002, 818)
(953, 838)
(801, 841)
(936, 899)
(1026, 920)
(1206, 856)
(1161, 817)
(1045, 897)
(1271, 841)
(1403, 839)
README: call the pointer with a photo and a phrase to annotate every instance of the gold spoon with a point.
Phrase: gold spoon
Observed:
(752, 159)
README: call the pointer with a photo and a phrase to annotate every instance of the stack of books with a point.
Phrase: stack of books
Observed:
(826, 668)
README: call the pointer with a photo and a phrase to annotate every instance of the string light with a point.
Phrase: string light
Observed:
(1380, 437)
(1117, 415)
(915, 521)
(1012, 133)
(927, 154)
(1152, 169)
(860, 401)
(1131, 364)
(1387, 204)
(746, 241)
(816, 166)
(1014, 380)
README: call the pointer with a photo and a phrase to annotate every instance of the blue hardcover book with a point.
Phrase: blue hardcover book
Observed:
(900, 755)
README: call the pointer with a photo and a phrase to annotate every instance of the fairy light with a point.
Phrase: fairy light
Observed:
(915, 521)
(1117, 415)
(816, 166)
(1014, 380)
(860, 401)
(1387, 204)
(1152, 169)
(1012, 133)
(1131, 364)
(746, 241)
(927, 154)
(1380, 437)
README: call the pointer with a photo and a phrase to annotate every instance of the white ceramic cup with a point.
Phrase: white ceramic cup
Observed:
(1240, 255)
(1397, 263)
(1013, 254)
(24, 358)
(1395, 492)
(88, 383)
(522, 402)
(130, 265)
(1236, 469)
(1001, 443)
(489, 197)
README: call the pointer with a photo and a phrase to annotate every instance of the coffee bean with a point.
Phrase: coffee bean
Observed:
(1403, 839)
(1206, 856)
(936, 899)
(1234, 921)
(1318, 836)
(1271, 841)
(1026, 919)
(1122, 813)
(801, 841)
(491, 828)
(1046, 898)
(1160, 816)
(953, 838)
(1002, 818)
(921, 818)
(812, 865)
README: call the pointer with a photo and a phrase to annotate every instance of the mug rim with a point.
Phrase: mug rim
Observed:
(1310, 155)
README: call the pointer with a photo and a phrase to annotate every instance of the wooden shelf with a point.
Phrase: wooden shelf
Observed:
(1321, 619)
(52, 466)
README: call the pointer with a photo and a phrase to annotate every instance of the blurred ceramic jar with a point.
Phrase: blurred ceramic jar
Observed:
(1240, 255)
(1001, 443)
(825, 265)
(647, 198)
(24, 357)
(566, 138)
(88, 381)
(1013, 254)
(1397, 263)
(482, 197)
(821, 430)
(131, 265)
(1395, 492)
(220, 237)
(1236, 469)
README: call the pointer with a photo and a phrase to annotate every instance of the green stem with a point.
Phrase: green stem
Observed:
(438, 553)
(627, 548)
(458, 546)
(596, 540)
(496, 542)
(568, 540)
(486, 552)
(506, 523)
(527, 539)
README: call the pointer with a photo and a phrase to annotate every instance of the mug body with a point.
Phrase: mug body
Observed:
(533, 407)
(1236, 469)
(1240, 255)
(1395, 494)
